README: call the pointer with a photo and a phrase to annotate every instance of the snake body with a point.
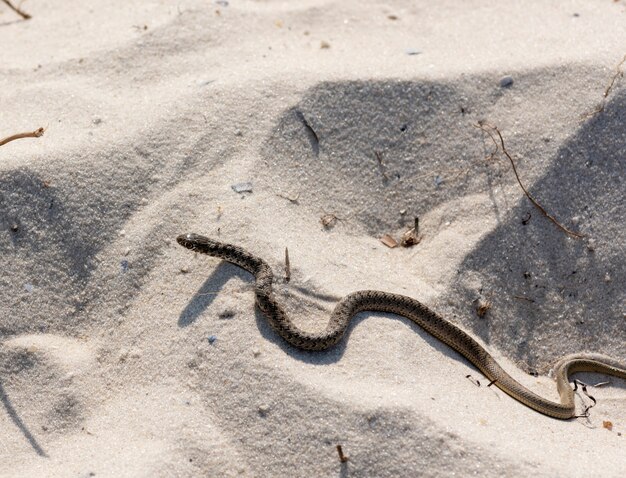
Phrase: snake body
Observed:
(433, 323)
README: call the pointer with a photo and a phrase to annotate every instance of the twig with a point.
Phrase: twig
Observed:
(607, 91)
(381, 166)
(483, 127)
(617, 74)
(342, 458)
(33, 134)
(17, 10)
(287, 266)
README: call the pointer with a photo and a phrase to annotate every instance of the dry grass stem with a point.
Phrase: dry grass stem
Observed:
(490, 129)
(33, 134)
(17, 10)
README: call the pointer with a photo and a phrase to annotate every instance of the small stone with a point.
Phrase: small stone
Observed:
(607, 277)
(184, 269)
(15, 227)
(124, 265)
(29, 287)
(324, 45)
(256, 353)
(591, 245)
(263, 410)
(506, 81)
(412, 51)
(438, 181)
(242, 187)
(212, 339)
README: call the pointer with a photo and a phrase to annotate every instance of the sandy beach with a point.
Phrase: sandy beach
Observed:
(322, 127)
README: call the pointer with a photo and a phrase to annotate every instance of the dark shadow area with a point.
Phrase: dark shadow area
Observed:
(376, 142)
(543, 282)
(19, 423)
(209, 290)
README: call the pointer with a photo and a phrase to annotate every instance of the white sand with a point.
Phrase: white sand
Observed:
(154, 109)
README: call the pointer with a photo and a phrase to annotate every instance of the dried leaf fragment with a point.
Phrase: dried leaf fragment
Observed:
(482, 307)
(608, 425)
(328, 221)
(389, 241)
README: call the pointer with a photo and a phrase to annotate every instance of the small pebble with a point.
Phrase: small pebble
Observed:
(412, 51)
(97, 121)
(226, 314)
(438, 180)
(263, 410)
(212, 338)
(324, 45)
(29, 287)
(256, 352)
(184, 269)
(506, 81)
(607, 277)
(124, 265)
(242, 187)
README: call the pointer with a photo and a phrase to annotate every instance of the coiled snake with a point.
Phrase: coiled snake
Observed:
(373, 300)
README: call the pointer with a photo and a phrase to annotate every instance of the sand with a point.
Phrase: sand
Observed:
(123, 354)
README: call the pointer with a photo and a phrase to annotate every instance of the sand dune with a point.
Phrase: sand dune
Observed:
(364, 111)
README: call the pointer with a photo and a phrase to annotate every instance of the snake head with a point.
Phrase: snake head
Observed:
(197, 243)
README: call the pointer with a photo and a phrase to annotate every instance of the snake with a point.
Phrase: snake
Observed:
(430, 321)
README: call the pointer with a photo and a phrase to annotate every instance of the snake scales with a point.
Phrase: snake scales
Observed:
(372, 300)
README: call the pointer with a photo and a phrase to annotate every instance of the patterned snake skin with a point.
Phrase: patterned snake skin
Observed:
(372, 300)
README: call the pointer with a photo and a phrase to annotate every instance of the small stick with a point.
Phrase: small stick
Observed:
(21, 13)
(342, 458)
(617, 74)
(287, 266)
(484, 127)
(381, 166)
(33, 134)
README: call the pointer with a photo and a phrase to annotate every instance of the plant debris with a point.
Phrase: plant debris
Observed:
(287, 266)
(608, 425)
(389, 241)
(17, 10)
(412, 237)
(328, 221)
(490, 129)
(342, 458)
(32, 134)
(482, 307)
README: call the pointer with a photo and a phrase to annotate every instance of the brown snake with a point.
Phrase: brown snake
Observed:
(434, 324)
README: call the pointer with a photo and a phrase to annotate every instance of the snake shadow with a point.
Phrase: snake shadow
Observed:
(209, 290)
(225, 271)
